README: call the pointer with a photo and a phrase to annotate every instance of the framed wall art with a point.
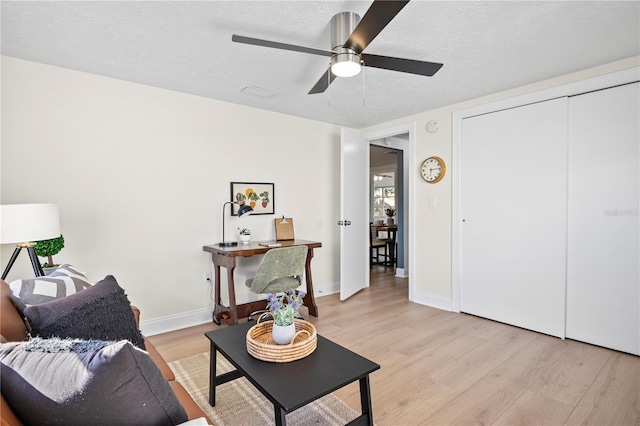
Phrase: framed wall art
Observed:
(258, 195)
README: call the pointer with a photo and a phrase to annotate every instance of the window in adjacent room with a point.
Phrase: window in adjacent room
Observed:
(384, 197)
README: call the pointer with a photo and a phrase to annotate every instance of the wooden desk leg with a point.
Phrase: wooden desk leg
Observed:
(233, 308)
(217, 302)
(230, 314)
(309, 299)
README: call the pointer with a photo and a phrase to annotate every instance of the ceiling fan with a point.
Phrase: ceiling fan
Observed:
(350, 35)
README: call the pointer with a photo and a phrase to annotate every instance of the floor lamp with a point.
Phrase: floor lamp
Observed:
(22, 225)
(243, 211)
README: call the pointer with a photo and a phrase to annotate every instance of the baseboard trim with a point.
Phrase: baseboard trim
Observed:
(176, 322)
(401, 273)
(433, 300)
(202, 316)
(326, 289)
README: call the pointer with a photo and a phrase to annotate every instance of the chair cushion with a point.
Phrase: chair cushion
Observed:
(77, 382)
(100, 312)
(279, 284)
(281, 263)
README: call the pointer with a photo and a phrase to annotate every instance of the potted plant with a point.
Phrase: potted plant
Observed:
(390, 212)
(245, 235)
(264, 196)
(48, 249)
(284, 309)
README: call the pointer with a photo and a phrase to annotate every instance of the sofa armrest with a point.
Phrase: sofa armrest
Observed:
(7, 417)
(136, 313)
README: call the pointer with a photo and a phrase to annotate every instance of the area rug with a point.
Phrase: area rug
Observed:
(238, 403)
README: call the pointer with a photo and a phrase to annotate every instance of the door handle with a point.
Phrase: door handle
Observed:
(344, 222)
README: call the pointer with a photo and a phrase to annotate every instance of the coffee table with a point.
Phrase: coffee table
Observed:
(291, 385)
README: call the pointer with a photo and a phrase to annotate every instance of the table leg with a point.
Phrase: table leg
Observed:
(212, 376)
(233, 308)
(309, 299)
(219, 310)
(392, 253)
(281, 419)
(216, 301)
(365, 399)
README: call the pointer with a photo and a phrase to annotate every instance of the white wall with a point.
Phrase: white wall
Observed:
(140, 175)
(431, 275)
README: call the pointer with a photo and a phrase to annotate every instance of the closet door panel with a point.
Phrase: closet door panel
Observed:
(513, 205)
(603, 273)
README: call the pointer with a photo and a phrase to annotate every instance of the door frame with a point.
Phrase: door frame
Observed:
(409, 176)
(570, 89)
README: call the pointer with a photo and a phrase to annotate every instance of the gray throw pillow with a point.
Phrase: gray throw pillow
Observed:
(62, 282)
(101, 312)
(75, 382)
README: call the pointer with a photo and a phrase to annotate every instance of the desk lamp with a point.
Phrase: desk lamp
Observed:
(245, 210)
(22, 225)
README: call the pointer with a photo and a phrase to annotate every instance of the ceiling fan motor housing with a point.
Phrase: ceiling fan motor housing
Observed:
(342, 25)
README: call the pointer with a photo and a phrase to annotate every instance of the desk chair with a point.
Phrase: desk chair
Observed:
(280, 270)
(374, 246)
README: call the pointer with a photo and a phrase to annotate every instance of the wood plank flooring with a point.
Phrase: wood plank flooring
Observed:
(443, 368)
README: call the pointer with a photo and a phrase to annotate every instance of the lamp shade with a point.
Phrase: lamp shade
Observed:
(244, 210)
(21, 223)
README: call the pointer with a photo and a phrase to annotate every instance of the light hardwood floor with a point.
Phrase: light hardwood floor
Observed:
(442, 368)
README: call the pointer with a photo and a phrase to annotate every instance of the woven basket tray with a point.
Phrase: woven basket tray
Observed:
(260, 344)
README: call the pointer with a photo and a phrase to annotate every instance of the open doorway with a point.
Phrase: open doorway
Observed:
(387, 194)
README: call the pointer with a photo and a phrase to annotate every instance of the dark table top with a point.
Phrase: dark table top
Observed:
(293, 384)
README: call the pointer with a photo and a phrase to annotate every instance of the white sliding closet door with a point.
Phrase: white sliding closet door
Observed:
(514, 212)
(603, 272)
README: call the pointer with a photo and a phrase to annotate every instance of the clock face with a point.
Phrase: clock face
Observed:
(433, 169)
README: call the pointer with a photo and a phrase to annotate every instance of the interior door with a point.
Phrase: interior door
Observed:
(353, 222)
(514, 206)
(603, 294)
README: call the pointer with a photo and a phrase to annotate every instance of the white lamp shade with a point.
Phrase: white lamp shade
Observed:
(21, 223)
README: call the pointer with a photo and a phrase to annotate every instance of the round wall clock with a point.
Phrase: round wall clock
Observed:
(432, 169)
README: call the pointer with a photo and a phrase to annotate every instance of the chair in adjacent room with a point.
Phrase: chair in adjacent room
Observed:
(281, 269)
(374, 246)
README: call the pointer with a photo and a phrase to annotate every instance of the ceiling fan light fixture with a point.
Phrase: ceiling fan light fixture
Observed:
(345, 64)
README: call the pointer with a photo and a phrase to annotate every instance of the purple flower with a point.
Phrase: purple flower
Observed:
(302, 294)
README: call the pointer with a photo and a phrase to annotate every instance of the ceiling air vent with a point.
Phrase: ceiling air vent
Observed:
(258, 91)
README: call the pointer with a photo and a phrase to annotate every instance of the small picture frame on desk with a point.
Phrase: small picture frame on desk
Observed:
(260, 196)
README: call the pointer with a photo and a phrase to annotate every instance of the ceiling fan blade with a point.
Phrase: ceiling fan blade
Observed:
(374, 20)
(411, 66)
(276, 45)
(323, 83)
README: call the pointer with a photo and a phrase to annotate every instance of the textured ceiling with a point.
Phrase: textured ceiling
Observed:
(485, 46)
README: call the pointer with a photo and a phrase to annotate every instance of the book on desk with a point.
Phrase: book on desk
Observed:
(270, 244)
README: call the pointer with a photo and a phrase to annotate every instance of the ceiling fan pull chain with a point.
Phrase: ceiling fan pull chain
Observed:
(329, 85)
(362, 65)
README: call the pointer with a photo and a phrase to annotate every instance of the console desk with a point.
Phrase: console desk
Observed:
(226, 257)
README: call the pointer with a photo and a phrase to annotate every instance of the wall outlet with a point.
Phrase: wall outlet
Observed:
(433, 202)
(207, 277)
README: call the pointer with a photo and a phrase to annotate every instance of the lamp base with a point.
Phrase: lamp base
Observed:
(228, 243)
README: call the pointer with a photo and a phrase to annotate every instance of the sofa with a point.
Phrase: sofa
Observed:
(13, 329)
